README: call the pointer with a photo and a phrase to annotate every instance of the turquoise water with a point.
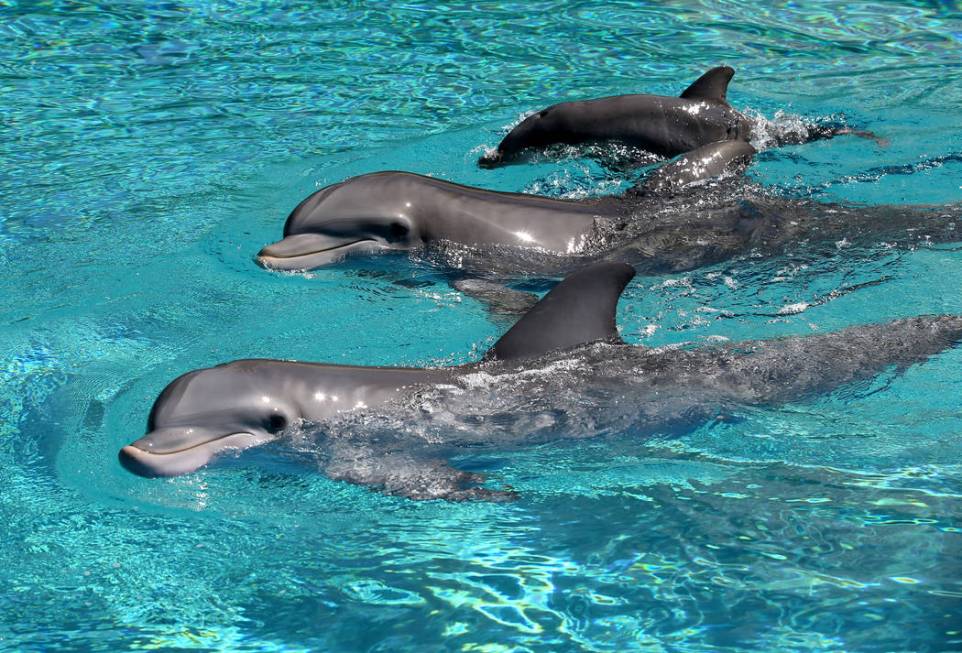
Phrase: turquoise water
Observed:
(149, 150)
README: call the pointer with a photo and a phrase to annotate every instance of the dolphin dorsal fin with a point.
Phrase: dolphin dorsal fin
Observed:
(712, 86)
(578, 310)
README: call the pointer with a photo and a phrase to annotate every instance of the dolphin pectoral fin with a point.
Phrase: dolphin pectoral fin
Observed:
(439, 480)
(413, 477)
(502, 302)
(579, 310)
(698, 165)
(482, 494)
(712, 86)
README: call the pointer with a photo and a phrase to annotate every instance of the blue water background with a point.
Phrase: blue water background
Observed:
(149, 149)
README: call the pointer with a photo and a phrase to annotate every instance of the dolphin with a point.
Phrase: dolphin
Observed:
(666, 126)
(662, 125)
(665, 224)
(400, 211)
(561, 372)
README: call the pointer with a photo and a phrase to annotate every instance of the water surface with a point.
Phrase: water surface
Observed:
(150, 149)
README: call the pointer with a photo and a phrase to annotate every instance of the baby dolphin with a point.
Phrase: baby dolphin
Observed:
(661, 125)
(567, 353)
(666, 126)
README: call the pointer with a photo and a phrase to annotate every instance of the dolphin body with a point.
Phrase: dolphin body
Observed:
(399, 211)
(662, 125)
(560, 372)
(665, 224)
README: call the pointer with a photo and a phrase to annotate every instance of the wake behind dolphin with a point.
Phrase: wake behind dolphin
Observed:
(560, 372)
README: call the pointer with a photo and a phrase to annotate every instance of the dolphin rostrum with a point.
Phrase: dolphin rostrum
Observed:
(561, 372)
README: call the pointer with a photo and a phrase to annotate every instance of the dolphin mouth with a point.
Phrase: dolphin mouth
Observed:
(150, 464)
(309, 251)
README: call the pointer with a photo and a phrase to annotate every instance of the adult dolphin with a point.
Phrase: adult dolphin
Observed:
(663, 125)
(400, 211)
(658, 226)
(568, 359)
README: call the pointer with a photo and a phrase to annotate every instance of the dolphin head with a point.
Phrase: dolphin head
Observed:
(538, 130)
(205, 413)
(354, 217)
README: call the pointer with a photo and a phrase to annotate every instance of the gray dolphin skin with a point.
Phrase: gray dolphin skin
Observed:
(563, 357)
(399, 211)
(699, 165)
(666, 126)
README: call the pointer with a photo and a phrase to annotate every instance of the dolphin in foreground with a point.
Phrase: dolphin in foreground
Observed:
(561, 372)
(663, 125)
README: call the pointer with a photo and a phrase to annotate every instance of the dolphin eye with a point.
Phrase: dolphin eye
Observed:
(276, 423)
(398, 230)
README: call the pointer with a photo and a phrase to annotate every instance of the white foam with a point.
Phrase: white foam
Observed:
(793, 309)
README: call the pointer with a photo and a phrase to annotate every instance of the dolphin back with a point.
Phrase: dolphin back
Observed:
(699, 165)
(786, 370)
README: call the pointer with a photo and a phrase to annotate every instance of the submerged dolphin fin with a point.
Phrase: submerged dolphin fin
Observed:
(498, 298)
(578, 310)
(711, 86)
(408, 475)
(705, 162)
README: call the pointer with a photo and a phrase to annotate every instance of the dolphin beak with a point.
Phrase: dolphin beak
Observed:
(309, 251)
(153, 465)
(146, 457)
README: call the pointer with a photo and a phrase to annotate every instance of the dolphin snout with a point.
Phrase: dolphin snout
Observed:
(152, 465)
(163, 460)
(171, 451)
(137, 461)
(302, 245)
(309, 251)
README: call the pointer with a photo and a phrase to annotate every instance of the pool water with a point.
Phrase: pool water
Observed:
(150, 149)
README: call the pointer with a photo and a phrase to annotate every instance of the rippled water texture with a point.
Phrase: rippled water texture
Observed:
(150, 149)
